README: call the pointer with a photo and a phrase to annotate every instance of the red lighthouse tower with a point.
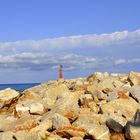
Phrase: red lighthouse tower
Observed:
(60, 72)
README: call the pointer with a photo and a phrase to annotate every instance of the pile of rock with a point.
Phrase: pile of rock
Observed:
(102, 107)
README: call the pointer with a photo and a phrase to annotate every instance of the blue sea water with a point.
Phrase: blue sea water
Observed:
(18, 87)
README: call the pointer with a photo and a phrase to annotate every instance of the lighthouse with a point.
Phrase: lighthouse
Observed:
(60, 72)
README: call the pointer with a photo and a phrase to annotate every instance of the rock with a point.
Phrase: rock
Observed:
(117, 136)
(29, 95)
(43, 126)
(99, 95)
(97, 75)
(134, 77)
(29, 124)
(132, 129)
(135, 92)
(112, 96)
(7, 96)
(98, 132)
(22, 108)
(37, 108)
(85, 98)
(7, 122)
(127, 107)
(93, 107)
(116, 122)
(76, 138)
(70, 131)
(89, 118)
(67, 106)
(59, 121)
(117, 83)
(7, 135)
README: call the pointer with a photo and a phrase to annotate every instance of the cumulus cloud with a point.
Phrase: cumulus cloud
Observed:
(120, 61)
(117, 38)
(75, 52)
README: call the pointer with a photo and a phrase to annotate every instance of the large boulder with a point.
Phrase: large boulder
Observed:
(134, 77)
(7, 96)
(88, 118)
(67, 106)
(7, 122)
(132, 129)
(126, 107)
(135, 92)
(97, 75)
(60, 121)
(98, 132)
(70, 131)
(37, 108)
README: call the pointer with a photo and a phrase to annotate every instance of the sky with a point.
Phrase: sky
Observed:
(85, 36)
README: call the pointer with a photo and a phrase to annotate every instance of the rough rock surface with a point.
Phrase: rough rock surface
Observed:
(7, 96)
(102, 106)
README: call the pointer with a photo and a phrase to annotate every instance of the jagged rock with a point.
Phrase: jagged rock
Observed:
(67, 106)
(37, 108)
(7, 135)
(135, 92)
(132, 129)
(7, 96)
(117, 83)
(97, 75)
(43, 126)
(89, 118)
(59, 121)
(29, 95)
(98, 132)
(117, 136)
(70, 131)
(84, 98)
(22, 108)
(134, 77)
(76, 138)
(112, 96)
(7, 122)
(116, 122)
(93, 107)
(127, 107)
(99, 95)
(29, 124)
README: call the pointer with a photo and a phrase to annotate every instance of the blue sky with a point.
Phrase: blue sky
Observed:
(83, 35)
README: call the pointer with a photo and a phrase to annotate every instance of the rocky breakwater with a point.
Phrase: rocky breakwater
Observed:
(102, 107)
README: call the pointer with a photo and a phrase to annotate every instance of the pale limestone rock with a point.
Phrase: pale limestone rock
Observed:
(93, 107)
(126, 106)
(134, 77)
(117, 136)
(76, 138)
(7, 135)
(43, 126)
(132, 129)
(7, 122)
(70, 131)
(98, 132)
(89, 118)
(135, 92)
(60, 121)
(37, 108)
(7, 96)
(67, 106)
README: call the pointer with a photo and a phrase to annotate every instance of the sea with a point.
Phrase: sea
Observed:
(18, 87)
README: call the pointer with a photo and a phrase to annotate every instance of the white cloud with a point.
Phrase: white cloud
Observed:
(117, 38)
(120, 61)
(70, 51)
